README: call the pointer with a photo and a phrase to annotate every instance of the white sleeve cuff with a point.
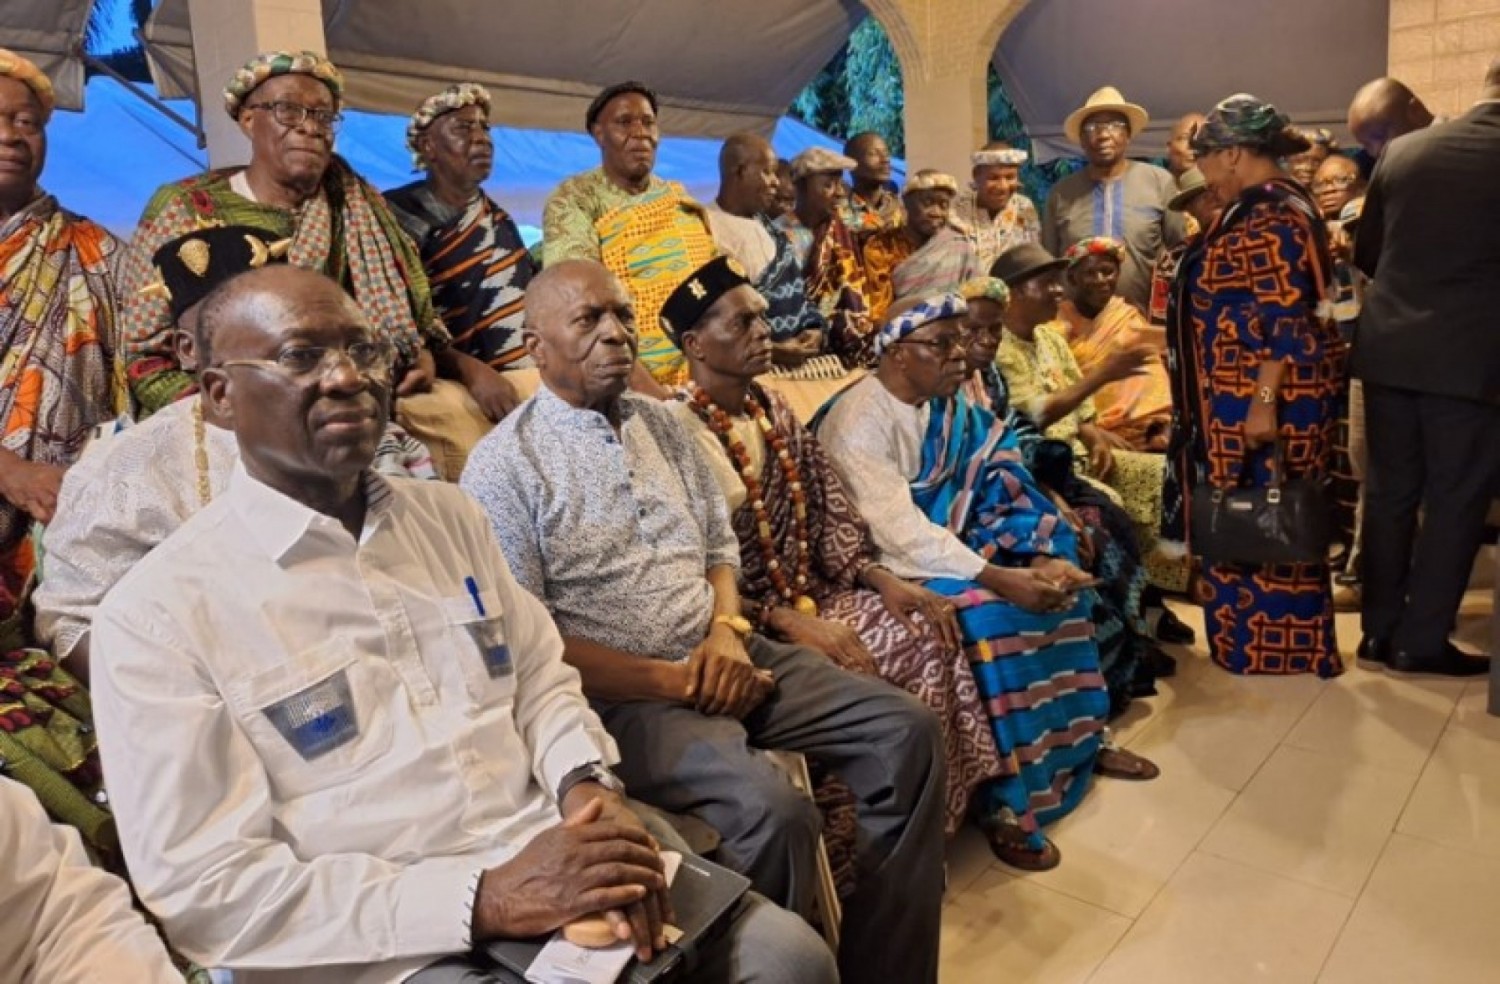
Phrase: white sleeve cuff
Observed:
(435, 906)
(578, 747)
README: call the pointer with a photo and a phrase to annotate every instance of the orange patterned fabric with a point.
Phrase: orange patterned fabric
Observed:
(1138, 407)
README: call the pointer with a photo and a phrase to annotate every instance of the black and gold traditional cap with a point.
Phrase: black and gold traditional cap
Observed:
(190, 266)
(687, 305)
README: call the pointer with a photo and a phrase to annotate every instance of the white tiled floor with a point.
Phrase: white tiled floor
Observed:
(1343, 831)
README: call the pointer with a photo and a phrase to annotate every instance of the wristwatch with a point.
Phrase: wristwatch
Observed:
(592, 772)
(739, 623)
(1266, 394)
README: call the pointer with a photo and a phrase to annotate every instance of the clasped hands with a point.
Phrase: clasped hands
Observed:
(600, 859)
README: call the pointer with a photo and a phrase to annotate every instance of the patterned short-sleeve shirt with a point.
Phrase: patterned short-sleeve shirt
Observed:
(614, 531)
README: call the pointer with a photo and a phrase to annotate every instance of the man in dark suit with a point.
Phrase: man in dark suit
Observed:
(1428, 352)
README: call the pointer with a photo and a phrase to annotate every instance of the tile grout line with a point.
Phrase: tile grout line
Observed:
(1349, 917)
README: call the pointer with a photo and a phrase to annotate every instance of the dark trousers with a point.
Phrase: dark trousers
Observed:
(1439, 455)
(882, 742)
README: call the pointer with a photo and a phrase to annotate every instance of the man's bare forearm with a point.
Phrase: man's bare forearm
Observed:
(609, 674)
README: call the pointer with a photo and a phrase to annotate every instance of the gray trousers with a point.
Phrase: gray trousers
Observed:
(763, 944)
(881, 741)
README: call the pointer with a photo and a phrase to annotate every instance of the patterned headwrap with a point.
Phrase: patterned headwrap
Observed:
(985, 289)
(1094, 246)
(930, 180)
(932, 309)
(1000, 157)
(1242, 120)
(269, 64)
(24, 71)
(454, 97)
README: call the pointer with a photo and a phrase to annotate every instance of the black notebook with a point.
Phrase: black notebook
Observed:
(703, 895)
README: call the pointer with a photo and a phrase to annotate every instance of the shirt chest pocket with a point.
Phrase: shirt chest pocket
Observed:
(318, 720)
(476, 633)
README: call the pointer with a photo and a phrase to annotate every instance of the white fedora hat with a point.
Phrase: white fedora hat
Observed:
(1105, 100)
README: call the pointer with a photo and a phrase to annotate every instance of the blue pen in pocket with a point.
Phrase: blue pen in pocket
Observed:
(489, 635)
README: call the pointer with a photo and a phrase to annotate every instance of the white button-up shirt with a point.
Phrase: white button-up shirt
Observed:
(67, 921)
(311, 742)
(875, 443)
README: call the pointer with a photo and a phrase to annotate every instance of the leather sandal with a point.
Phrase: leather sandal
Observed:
(1117, 763)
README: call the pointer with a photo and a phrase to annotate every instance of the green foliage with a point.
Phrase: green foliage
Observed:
(860, 89)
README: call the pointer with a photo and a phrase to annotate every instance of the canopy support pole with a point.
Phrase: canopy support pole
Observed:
(103, 68)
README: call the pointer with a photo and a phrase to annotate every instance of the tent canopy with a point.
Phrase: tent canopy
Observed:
(544, 62)
(1179, 56)
(48, 32)
(106, 161)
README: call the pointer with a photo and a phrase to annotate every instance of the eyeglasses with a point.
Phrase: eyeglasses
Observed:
(370, 359)
(1095, 127)
(1338, 183)
(945, 344)
(290, 114)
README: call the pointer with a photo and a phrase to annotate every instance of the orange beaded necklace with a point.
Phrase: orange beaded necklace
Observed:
(791, 591)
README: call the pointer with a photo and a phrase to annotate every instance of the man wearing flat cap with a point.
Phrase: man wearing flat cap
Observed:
(1113, 196)
(607, 512)
(648, 232)
(476, 263)
(830, 253)
(58, 304)
(993, 212)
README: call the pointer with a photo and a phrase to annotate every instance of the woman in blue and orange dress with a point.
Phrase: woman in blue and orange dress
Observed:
(1255, 359)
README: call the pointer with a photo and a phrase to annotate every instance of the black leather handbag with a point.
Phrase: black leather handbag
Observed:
(1286, 522)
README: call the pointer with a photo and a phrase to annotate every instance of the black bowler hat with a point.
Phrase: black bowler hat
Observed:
(1020, 263)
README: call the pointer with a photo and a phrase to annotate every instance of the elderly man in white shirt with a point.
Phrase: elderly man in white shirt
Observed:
(341, 741)
(71, 922)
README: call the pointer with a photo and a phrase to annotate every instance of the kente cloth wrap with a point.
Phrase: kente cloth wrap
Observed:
(478, 268)
(941, 264)
(26, 72)
(345, 230)
(1137, 408)
(789, 310)
(58, 372)
(841, 548)
(882, 252)
(455, 97)
(1253, 288)
(836, 284)
(270, 64)
(1094, 246)
(932, 309)
(1038, 674)
(1120, 630)
(652, 245)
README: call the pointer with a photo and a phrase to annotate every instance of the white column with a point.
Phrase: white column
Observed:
(228, 33)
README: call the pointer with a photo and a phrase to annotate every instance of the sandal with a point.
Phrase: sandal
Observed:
(1008, 845)
(1117, 763)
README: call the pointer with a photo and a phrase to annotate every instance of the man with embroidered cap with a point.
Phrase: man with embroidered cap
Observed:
(135, 487)
(829, 253)
(476, 263)
(321, 636)
(608, 513)
(1113, 196)
(949, 503)
(748, 184)
(647, 231)
(924, 255)
(59, 300)
(993, 212)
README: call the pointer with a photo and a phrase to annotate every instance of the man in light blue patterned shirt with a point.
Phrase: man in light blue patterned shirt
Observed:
(605, 511)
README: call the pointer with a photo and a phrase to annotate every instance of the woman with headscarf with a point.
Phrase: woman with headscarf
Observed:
(1256, 361)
